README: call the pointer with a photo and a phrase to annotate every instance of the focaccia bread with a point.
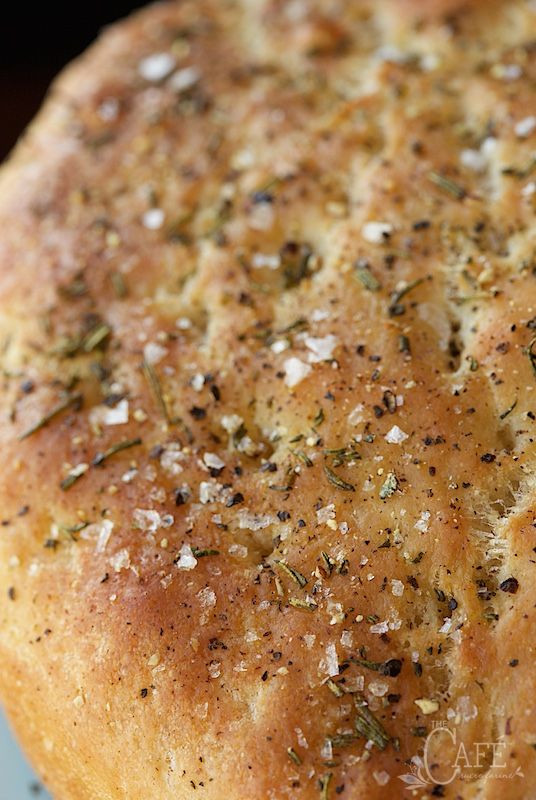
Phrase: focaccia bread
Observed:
(268, 338)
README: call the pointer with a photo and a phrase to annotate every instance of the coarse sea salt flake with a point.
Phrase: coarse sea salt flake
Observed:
(108, 109)
(214, 669)
(171, 457)
(207, 597)
(326, 513)
(101, 531)
(321, 348)
(295, 371)
(156, 67)
(525, 127)
(378, 688)
(212, 461)
(184, 79)
(376, 232)
(153, 352)
(121, 560)
(379, 627)
(422, 523)
(332, 661)
(153, 219)
(396, 435)
(382, 778)
(150, 520)
(264, 260)
(209, 491)
(447, 625)
(231, 422)
(473, 159)
(279, 346)
(102, 415)
(186, 559)
(356, 415)
(197, 382)
(238, 550)
(247, 520)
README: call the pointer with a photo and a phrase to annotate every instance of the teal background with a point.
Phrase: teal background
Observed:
(17, 781)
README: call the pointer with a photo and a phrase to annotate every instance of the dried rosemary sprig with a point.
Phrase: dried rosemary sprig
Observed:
(324, 783)
(366, 278)
(447, 184)
(298, 602)
(292, 754)
(292, 573)
(154, 383)
(100, 458)
(367, 725)
(396, 308)
(70, 400)
(338, 482)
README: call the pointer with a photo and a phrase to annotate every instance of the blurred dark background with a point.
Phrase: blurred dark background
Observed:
(36, 41)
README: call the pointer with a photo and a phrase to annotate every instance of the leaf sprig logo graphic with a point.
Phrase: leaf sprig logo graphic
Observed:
(468, 762)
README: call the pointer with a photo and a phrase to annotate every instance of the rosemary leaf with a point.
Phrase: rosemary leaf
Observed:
(447, 184)
(95, 337)
(334, 688)
(342, 455)
(74, 475)
(404, 345)
(365, 662)
(119, 285)
(531, 354)
(329, 563)
(367, 279)
(319, 418)
(202, 552)
(292, 573)
(100, 458)
(508, 410)
(154, 383)
(304, 458)
(338, 482)
(342, 740)
(395, 307)
(367, 725)
(292, 754)
(324, 783)
(70, 480)
(70, 400)
(306, 605)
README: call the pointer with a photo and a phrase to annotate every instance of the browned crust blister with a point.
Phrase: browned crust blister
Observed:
(268, 307)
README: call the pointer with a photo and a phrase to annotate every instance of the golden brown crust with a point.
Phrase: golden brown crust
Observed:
(267, 291)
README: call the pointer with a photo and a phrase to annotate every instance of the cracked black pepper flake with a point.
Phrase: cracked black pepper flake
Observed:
(235, 500)
(510, 585)
(488, 458)
(391, 668)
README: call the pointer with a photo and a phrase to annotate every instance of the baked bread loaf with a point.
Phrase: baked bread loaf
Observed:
(268, 320)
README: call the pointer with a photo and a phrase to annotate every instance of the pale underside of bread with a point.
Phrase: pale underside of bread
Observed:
(309, 537)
